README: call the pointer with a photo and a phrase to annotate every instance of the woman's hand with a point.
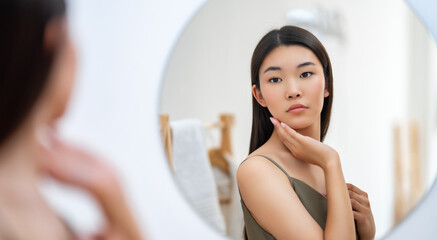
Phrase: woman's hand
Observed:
(362, 213)
(74, 166)
(304, 147)
(340, 220)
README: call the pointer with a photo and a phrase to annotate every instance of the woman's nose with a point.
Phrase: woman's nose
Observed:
(293, 91)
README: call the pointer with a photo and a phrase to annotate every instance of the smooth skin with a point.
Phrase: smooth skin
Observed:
(34, 152)
(293, 75)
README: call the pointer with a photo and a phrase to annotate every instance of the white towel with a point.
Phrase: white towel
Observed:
(224, 183)
(232, 211)
(193, 173)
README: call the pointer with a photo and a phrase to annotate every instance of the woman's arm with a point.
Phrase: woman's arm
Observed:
(340, 220)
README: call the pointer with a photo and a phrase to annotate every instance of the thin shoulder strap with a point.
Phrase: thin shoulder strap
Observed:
(277, 165)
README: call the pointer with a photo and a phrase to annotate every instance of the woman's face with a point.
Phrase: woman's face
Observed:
(292, 86)
(62, 76)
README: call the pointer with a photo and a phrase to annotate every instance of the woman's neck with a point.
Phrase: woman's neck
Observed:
(20, 154)
(22, 203)
(19, 173)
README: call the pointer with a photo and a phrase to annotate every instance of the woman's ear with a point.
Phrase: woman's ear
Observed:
(326, 94)
(258, 96)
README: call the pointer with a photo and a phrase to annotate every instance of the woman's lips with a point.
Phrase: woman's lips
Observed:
(296, 108)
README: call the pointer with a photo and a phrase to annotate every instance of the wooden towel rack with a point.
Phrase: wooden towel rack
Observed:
(408, 182)
(167, 137)
(216, 155)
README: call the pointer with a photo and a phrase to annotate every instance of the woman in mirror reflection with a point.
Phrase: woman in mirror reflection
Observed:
(291, 184)
(37, 65)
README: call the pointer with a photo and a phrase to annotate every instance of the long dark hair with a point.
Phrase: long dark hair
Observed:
(262, 128)
(25, 62)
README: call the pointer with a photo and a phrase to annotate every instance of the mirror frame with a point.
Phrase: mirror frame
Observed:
(168, 214)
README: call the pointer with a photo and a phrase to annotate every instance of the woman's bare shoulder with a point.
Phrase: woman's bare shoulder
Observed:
(257, 176)
(258, 162)
(271, 200)
(255, 166)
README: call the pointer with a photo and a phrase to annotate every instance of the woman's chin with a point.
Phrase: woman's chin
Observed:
(298, 125)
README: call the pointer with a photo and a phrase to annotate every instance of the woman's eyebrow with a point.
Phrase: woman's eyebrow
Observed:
(305, 64)
(272, 68)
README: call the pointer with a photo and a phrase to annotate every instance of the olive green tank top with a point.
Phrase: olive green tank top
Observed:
(314, 202)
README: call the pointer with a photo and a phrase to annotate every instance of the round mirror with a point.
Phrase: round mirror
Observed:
(383, 119)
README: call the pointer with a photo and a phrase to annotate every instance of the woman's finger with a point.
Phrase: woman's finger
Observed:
(281, 131)
(355, 189)
(297, 138)
(359, 216)
(358, 207)
(358, 195)
(290, 131)
(284, 136)
(286, 131)
(362, 201)
(360, 198)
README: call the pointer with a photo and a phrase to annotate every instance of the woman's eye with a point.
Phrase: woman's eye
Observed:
(275, 80)
(305, 75)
